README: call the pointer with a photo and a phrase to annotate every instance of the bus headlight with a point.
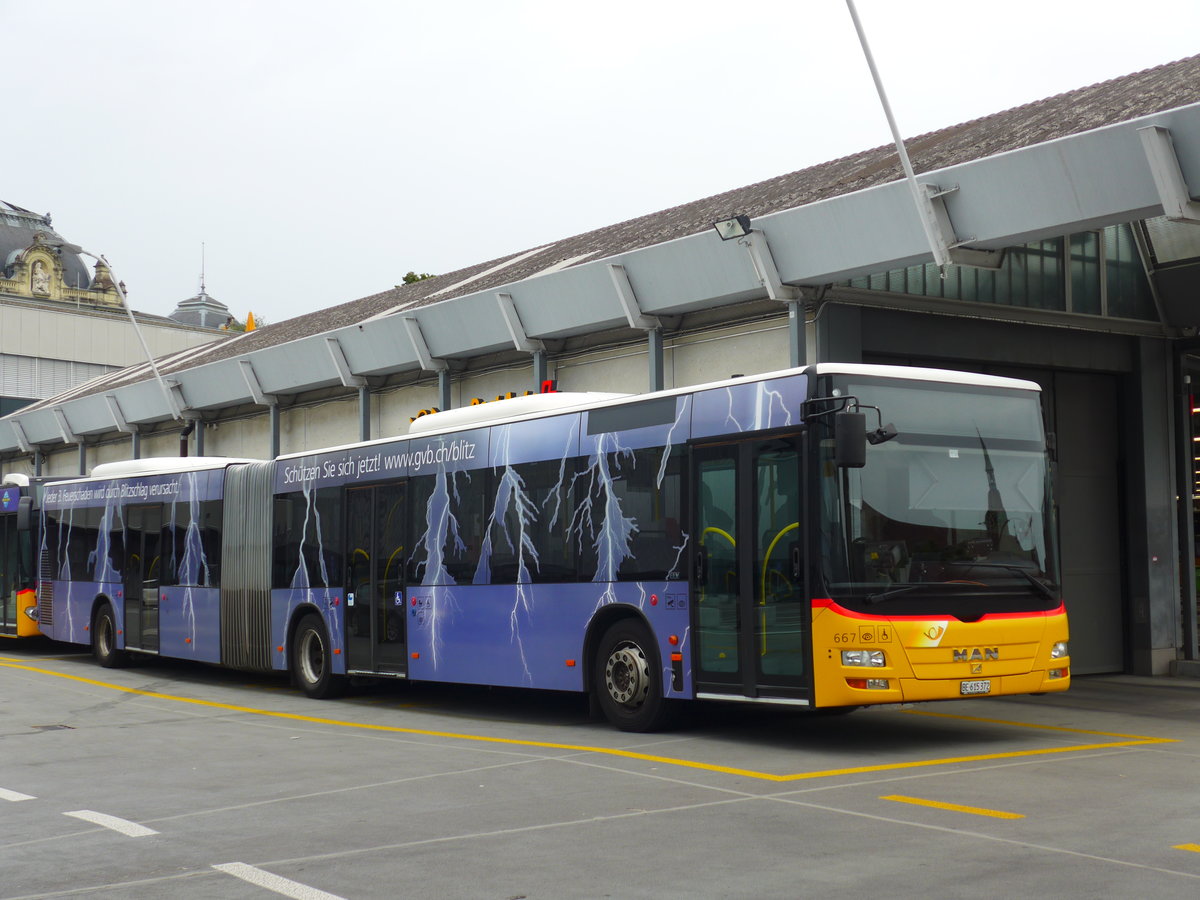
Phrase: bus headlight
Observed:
(871, 658)
(32, 612)
(1059, 650)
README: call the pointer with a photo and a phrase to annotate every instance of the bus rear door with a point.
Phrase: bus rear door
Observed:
(143, 571)
(376, 638)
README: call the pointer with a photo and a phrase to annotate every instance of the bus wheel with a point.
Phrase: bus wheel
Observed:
(627, 679)
(104, 639)
(312, 660)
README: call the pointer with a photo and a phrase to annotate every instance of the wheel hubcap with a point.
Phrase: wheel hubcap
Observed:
(312, 657)
(627, 675)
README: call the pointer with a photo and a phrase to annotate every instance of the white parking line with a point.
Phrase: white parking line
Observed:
(276, 883)
(14, 796)
(124, 826)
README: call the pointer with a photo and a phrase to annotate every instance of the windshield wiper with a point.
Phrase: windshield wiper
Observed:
(904, 589)
(1042, 587)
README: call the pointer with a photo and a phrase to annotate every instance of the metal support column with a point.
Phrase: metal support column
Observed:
(199, 433)
(796, 334)
(135, 440)
(364, 413)
(654, 344)
(37, 462)
(82, 458)
(652, 325)
(540, 370)
(444, 389)
(274, 411)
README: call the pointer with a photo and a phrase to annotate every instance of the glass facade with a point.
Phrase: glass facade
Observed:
(1094, 272)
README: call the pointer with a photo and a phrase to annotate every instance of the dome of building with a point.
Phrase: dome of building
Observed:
(18, 228)
(202, 310)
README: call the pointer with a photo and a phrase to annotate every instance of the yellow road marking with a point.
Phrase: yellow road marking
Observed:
(941, 715)
(1128, 740)
(954, 807)
(1195, 848)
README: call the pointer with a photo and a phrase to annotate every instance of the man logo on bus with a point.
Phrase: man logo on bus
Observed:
(976, 654)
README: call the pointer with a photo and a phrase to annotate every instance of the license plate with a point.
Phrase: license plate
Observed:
(980, 686)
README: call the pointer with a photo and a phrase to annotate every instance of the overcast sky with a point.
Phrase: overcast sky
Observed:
(321, 150)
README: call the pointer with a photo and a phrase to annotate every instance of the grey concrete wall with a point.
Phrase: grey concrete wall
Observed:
(1151, 522)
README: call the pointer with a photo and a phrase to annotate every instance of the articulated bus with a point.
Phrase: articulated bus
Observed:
(18, 597)
(826, 537)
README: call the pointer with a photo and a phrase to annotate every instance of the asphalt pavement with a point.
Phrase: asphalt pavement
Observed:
(171, 779)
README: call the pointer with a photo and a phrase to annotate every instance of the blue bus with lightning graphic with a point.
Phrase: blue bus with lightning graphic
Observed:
(762, 539)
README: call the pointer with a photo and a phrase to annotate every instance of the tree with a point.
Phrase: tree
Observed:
(413, 277)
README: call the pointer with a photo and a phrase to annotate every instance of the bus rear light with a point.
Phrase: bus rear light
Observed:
(868, 684)
(673, 640)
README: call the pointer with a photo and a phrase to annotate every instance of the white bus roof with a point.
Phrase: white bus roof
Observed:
(945, 376)
(563, 401)
(497, 412)
(163, 465)
(514, 407)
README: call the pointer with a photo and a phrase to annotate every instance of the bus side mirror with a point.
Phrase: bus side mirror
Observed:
(850, 440)
(24, 513)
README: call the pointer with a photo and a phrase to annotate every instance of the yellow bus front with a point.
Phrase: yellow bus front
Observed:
(861, 659)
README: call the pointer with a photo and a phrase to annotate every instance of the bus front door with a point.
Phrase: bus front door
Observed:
(750, 618)
(376, 638)
(143, 569)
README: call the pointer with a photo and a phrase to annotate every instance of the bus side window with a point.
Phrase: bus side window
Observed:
(648, 493)
(536, 500)
(285, 554)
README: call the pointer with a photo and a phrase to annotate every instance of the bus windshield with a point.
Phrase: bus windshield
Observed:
(952, 516)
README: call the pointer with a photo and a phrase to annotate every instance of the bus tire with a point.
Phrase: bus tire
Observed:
(312, 660)
(104, 639)
(627, 678)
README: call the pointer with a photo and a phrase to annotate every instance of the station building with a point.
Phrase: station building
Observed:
(1071, 235)
(62, 324)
